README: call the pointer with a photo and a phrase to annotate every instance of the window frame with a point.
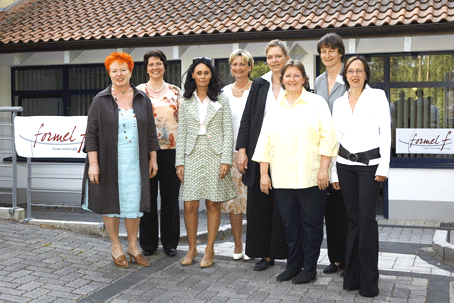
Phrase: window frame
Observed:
(65, 93)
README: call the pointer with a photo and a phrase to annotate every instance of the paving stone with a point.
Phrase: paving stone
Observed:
(65, 266)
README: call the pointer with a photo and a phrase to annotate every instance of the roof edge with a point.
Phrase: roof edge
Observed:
(238, 37)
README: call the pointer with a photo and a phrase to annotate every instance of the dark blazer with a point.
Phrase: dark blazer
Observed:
(251, 125)
(102, 136)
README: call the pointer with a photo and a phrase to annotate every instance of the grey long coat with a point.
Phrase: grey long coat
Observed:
(102, 136)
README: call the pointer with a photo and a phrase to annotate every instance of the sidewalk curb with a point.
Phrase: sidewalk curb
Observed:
(90, 228)
(98, 229)
(444, 251)
(10, 213)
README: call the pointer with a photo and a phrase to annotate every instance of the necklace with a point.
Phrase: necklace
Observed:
(123, 98)
(156, 91)
(243, 89)
(129, 122)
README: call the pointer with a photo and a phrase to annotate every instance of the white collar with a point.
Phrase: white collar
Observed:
(268, 76)
(340, 79)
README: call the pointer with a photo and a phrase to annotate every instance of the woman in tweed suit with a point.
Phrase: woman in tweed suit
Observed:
(204, 153)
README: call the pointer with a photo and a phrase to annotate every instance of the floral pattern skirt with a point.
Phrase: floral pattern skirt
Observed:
(237, 205)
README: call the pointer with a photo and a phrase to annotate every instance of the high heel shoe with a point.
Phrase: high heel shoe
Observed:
(205, 264)
(237, 256)
(188, 261)
(140, 260)
(121, 261)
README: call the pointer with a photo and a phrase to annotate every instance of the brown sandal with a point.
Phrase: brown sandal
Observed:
(140, 260)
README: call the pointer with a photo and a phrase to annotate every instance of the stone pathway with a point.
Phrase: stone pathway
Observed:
(42, 264)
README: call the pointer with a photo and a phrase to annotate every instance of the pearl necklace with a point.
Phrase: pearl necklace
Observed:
(156, 91)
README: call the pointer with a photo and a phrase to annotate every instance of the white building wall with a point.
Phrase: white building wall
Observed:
(429, 195)
(421, 194)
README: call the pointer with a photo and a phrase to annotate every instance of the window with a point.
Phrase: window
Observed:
(67, 90)
(420, 88)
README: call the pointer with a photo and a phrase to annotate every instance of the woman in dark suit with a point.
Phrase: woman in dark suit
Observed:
(265, 237)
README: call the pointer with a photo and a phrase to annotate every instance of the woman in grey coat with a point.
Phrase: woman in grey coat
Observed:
(121, 143)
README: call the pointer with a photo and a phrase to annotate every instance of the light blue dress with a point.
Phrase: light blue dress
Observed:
(129, 186)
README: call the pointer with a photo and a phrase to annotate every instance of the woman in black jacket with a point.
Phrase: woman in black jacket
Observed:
(265, 237)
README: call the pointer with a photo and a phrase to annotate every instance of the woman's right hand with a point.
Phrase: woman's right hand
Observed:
(336, 185)
(265, 183)
(242, 160)
(93, 173)
(180, 172)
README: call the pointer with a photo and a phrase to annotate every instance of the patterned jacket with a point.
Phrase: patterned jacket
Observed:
(219, 129)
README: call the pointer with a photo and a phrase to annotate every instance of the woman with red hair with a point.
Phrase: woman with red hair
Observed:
(121, 144)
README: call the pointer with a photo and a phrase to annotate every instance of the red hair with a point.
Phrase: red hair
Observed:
(120, 58)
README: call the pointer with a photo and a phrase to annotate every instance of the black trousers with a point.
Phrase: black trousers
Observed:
(265, 236)
(169, 186)
(302, 215)
(336, 226)
(360, 191)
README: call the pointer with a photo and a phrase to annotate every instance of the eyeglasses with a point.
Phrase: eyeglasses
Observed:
(358, 72)
(201, 59)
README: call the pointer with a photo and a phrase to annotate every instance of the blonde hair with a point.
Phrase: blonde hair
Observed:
(243, 54)
(279, 43)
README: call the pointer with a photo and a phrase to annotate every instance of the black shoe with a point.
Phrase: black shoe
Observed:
(171, 252)
(263, 265)
(369, 293)
(148, 252)
(304, 277)
(259, 263)
(331, 269)
(288, 274)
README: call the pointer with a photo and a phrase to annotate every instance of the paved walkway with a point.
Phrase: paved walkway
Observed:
(42, 264)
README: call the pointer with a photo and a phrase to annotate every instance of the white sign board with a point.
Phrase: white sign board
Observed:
(424, 141)
(50, 136)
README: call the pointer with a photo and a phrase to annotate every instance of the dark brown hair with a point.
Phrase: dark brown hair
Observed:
(154, 53)
(331, 40)
(347, 65)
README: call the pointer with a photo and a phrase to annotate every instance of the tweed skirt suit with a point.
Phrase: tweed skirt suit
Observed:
(202, 155)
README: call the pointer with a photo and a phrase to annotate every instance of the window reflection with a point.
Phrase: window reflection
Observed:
(428, 107)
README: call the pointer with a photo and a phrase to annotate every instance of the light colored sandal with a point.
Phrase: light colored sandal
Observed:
(188, 261)
(205, 264)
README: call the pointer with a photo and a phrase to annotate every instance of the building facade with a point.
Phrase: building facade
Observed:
(51, 62)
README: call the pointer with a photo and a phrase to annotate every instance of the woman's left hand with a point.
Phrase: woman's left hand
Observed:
(152, 167)
(323, 178)
(380, 178)
(224, 170)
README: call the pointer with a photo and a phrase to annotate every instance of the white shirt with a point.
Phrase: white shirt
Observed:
(368, 127)
(271, 102)
(237, 107)
(203, 108)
